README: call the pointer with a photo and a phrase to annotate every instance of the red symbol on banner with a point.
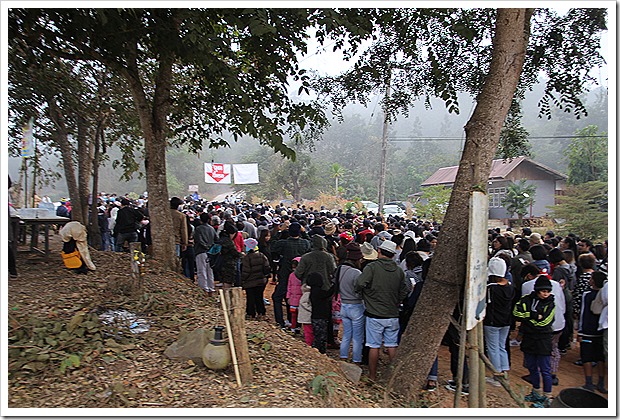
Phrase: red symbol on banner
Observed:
(217, 172)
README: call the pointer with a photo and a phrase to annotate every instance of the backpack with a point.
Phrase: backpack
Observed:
(215, 257)
(71, 256)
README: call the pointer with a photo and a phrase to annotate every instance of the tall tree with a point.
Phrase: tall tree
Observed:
(451, 53)
(232, 66)
(587, 156)
(583, 210)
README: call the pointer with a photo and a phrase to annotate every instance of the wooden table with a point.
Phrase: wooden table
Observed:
(35, 223)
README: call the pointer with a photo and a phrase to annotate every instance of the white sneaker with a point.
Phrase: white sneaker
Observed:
(515, 343)
(287, 323)
(492, 381)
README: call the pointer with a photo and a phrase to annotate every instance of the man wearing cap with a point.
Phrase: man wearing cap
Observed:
(383, 286)
(286, 250)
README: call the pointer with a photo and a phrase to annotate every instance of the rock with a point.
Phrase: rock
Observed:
(189, 346)
(351, 371)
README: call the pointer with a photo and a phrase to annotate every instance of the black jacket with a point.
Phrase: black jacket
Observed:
(536, 318)
(127, 220)
(499, 304)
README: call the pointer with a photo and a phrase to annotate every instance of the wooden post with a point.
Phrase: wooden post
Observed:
(137, 262)
(238, 327)
(474, 370)
(225, 300)
(235, 306)
(482, 387)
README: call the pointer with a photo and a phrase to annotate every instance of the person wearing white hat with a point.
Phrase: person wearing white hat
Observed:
(382, 286)
(500, 294)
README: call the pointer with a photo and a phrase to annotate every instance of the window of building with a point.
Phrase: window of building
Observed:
(496, 195)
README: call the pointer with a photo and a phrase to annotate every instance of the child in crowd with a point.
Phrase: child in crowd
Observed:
(304, 314)
(536, 312)
(321, 301)
(255, 268)
(293, 294)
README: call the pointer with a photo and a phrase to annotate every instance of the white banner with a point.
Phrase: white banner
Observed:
(27, 139)
(217, 173)
(245, 173)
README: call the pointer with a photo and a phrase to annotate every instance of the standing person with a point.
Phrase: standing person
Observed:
(321, 261)
(352, 304)
(590, 337)
(500, 294)
(587, 262)
(559, 321)
(126, 227)
(230, 255)
(522, 258)
(539, 255)
(599, 307)
(204, 238)
(104, 228)
(286, 250)
(383, 286)
(536, 312)
(321, 301)
(179, 226)
(304, 314)
(293, 294)
(254, 271)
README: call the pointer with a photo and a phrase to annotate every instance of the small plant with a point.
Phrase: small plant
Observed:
(324, 385)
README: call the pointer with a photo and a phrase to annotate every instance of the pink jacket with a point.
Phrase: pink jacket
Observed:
(293, 293)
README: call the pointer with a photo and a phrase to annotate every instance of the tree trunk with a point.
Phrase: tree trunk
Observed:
(80, 203)
(446, 277)
(94, 233)
(61, 137)
(153, 123)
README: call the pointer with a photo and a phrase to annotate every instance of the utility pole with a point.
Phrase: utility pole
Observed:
(384, 143)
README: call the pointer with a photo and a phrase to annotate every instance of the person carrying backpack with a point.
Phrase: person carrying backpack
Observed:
(204, 238)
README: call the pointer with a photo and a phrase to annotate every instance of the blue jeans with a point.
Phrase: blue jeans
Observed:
(353, 323)
(539, 365)
(495, 339)
(433, 374)
(278, 297)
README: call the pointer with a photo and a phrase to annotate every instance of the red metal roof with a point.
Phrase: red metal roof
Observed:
(500, 169)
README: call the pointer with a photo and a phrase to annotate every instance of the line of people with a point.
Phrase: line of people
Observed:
(362, 274)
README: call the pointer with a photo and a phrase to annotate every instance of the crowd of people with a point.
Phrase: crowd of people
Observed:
(350, 281)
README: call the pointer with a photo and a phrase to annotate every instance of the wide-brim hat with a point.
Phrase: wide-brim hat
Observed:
(368, 251)
(388, 246)
(354, 252)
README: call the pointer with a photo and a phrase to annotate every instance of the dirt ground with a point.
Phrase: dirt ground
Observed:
(60, 357)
